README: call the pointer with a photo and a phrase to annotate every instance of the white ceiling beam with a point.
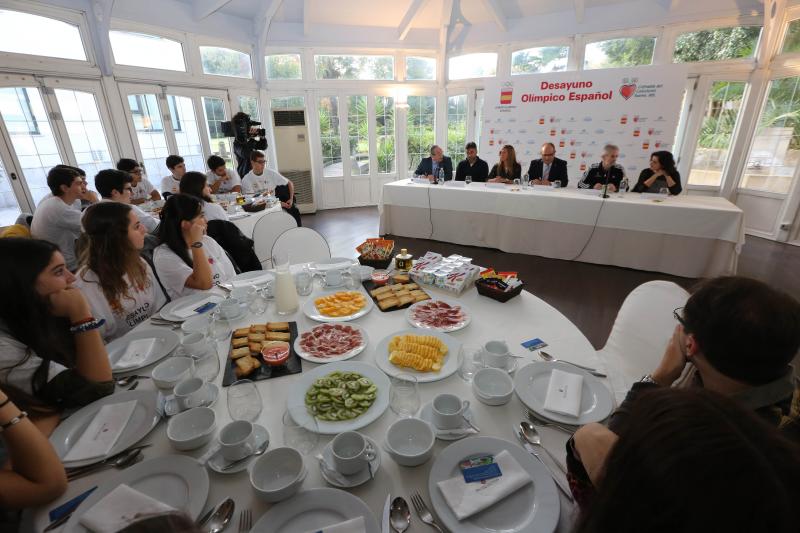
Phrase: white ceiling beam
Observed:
(494, 8)
(408, 19)
(306, 17)
(100, 24)
(204, 8)
(580, 10)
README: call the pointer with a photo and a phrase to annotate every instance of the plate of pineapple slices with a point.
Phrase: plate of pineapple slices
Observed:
(427, 355)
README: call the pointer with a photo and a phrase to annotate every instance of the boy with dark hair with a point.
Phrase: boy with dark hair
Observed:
(143, 190)
(171, 184)
(222, 179)
(55, 219)
(116, 186)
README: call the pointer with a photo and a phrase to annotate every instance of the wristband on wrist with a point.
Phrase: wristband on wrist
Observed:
(14, 421)
(647, 378)
(87, 326)
(82, 321)
(197, 244)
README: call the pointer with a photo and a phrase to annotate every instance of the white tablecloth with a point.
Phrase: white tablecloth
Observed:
(692, 236)
(522, 318)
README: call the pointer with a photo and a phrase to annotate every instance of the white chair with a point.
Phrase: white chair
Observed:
(304, 245)
(266, 232)
(640, 333)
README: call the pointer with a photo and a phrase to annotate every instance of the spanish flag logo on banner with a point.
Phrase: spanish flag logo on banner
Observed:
(505, 96)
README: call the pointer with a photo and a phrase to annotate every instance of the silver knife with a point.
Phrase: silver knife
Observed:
(560, 483)
(385, 527)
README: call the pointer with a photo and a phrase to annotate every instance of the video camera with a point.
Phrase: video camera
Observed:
(245, 131)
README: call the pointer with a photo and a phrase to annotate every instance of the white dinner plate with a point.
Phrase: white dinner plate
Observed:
(532, 509)
(310, 308)
(144, 418)
(313, 510)
(297, 397)
(334, 263)
(166, 341)
(253, 278)
(450, 360)
(530, 385)
(175, 480)
(341, 357)
(167, 311)
(464, 322)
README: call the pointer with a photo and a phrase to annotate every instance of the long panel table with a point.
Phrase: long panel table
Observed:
(691, 236)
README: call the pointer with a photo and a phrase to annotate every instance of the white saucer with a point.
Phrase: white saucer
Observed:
(240, 314)
(216, 462)
(353, 480)
(448, 434)
(171, 404)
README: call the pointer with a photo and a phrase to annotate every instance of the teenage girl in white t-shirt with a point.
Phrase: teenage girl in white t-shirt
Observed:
(119, 285)
(196, 184)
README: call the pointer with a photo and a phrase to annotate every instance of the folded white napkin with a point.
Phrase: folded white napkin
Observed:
(102, 433)
(189, 310)
(564, 393)
(120, 508)
(466, 499)
(135, 354)
(252, 281)
(354, 525)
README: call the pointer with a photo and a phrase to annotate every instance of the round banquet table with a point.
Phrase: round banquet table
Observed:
(523, 317)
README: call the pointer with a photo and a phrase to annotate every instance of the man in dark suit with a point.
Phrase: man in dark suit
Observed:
(429, 166)
(549, 168)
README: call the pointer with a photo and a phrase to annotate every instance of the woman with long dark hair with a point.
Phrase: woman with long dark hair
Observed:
(662, 174)
(50, 345)
(119, 285)
(690, 461)
(507, 170)
(196, 184)
(188, 260)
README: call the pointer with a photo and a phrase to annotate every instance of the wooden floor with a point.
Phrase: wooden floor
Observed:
(589, 295)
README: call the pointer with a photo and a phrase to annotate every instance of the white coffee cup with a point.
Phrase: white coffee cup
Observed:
(237, 440)
(351, 452)
(232, 208)
(448, 411)
(230, 308)
(190, 392)
(333, 278)
(194, 344)
(496, 354)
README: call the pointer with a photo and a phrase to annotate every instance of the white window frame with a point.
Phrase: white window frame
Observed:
(503, 66)
(401, 76)
(286, 51)
(311, 74)
(220, 79)
(526, 45)
(155, 75)
(583, 40)
(671, 34)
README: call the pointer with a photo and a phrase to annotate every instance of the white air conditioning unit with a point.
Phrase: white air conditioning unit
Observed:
(294, 158)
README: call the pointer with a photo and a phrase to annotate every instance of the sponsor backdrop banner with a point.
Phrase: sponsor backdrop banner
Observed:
(580, 112)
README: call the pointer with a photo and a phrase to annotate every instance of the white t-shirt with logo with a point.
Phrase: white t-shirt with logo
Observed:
(214, 211)
(226, 186)
(142, 190)
(269, 179)
(173, 272)
(136, 308)
(18, 363)
(170, 184)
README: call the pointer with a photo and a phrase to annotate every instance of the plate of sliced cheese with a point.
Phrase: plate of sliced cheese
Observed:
(427, 355)
(337, 306)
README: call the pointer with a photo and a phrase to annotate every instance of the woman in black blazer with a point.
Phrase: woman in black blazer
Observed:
(507, 170)
(662, 173)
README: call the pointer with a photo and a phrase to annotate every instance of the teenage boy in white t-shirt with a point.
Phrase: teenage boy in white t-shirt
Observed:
(143, 190)
(171, 184)
(261, 179)
(115, 186)
(55, 219)
(222, 179)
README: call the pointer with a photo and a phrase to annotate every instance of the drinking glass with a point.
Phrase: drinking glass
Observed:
(517, 182)
(220, 326)
(468, 179)
(207, 368)
(663, 191)
(556, 184)
(404, 395)
(258, 303)
(302, 438)
(304, 282)
(244, 401)
(526, 181)
(469, 362)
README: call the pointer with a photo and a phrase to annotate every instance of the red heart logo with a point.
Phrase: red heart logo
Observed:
(627, 90)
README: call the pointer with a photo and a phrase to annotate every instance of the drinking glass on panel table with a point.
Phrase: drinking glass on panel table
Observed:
(556, 184)
(404, 395)
(244, 401)
(516, 182)
(663, 191)
(302, 438)
(526, 181)
(469, 362)
(468, 179)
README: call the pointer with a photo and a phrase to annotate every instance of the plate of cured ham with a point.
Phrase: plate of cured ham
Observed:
(438, 315)
(331, 341)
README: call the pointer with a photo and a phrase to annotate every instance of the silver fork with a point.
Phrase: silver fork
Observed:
(423, 512)
(245, 520)
(539, 421)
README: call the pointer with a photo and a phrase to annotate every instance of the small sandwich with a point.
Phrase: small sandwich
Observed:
(255, 348)
(256, 337)
(238, 353)
(238, 342)
(278, 336)
(243, 332)
(406, 299)
(381, 290)
(277, 326)
(401, 278)
(258, 328)
(245, 366)
(388, 303)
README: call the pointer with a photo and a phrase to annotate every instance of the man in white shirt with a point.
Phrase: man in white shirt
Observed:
(87, 196)
(143, 190)
(55, 219)
(261, 179)
(222, 179)
(115, 186)
(171, 184)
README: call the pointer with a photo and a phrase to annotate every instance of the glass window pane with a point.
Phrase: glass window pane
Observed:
(384, 132)
(187, 132)
(249, 105)
(420, 68)
(478, 117)
(420, 127)
(776, 146)
(22, 34)
(150, 134)
(23, 112)
(284, 67)
(358, 135)
(85, 130)
(288, 102)
(543, 59)
(149, 51)
(329, 136)
(719, 121)
(456, 127)
(627, 52)
(348, 67)
(9, 206)
(791, 43)
(215, 116)
(716, 45)
(225, 62)
(483, 65)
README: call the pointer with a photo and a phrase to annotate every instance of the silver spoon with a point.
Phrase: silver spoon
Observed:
(219, 520)
(261, 449)
(532, 436)
(400, 515)
(593, 371)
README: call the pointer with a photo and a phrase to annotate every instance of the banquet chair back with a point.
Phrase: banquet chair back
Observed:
(266, 232)
(304, 245)
(640, 333)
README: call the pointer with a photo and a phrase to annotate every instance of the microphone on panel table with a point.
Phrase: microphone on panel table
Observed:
(605, 183)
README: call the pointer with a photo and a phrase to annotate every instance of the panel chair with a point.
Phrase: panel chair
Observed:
(304, 245)
(266, 232)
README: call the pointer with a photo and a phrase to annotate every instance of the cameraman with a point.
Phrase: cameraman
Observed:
(262, 179)
(247, 136)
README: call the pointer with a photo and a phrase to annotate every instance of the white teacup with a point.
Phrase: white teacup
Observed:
(194, 344)
(232, 208)
(333, 278)
(496, 354)
(237, 440)
(448, 411)
(351, 452)
(230, 308)
(190, 392)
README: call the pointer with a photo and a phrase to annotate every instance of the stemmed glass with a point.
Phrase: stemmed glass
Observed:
(468, 179)
(404, 395)
(244, 401)
(302, 438)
